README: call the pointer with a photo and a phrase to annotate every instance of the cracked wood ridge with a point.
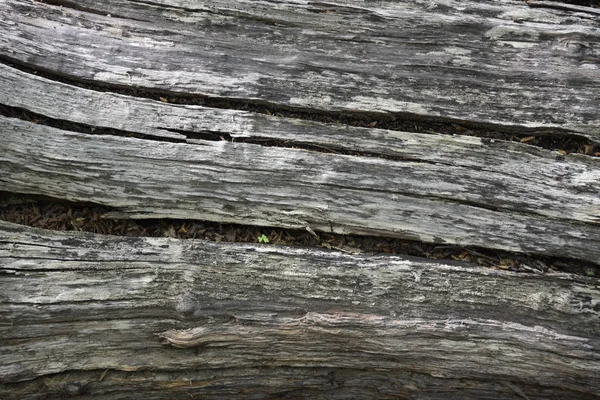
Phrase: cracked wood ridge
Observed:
(93, 316)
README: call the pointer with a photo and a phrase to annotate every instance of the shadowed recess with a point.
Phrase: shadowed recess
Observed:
(49, 213)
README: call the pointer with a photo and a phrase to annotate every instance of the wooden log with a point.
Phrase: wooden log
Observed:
(105, 317)
(115, 317)
(270, 186)
(495, 62)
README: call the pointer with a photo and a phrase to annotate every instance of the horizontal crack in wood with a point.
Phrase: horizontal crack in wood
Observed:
(193, 137)
(74, 6)
(48, 213)
(547, 138)
(586, 6)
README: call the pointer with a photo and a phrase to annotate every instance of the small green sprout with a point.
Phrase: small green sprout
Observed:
(263, 239)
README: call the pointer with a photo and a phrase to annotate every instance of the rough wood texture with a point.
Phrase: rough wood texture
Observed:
(162, 120)
(489, 61)
(136, 318)
(271, 186)
(145, 318)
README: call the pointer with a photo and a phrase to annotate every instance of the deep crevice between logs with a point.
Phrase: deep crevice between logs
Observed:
(547, 138)
(57, 214)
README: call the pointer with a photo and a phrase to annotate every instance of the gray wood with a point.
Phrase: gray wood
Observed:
(493, 62)
(563, 6)
(269, 186)
(99, 316)
(162, 120)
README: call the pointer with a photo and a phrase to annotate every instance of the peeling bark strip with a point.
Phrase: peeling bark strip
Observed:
(90, 307)
(498, 62)
(267, 186)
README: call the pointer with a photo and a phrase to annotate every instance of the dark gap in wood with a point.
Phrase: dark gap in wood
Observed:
(179, 7)
(547, 138)
(290, 144)
(26, 115)
(74, 6)
(57, 214)
(585, 6)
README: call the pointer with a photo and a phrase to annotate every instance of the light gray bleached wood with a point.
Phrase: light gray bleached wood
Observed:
(78, 310)
(576, 175)
(489, 61)
(269, 186)
(563, 6)
(109, 110)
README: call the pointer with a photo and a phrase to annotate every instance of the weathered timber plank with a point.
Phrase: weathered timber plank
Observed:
(80, 309)
(493, 62)
(269, 186)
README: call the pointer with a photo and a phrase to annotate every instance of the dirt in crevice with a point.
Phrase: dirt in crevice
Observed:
(48, 213)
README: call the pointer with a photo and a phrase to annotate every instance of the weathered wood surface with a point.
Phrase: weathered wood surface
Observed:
(456, 190)
(272, 186)
(107, 317)
(490, 61)
(125, 318)
(173, 121)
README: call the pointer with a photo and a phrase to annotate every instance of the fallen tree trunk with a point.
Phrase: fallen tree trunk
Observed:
(237, 321)
(438, 122)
